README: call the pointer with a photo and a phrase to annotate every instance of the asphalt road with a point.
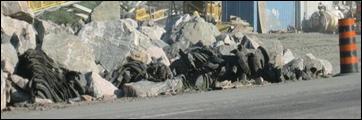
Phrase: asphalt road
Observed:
(337, 97)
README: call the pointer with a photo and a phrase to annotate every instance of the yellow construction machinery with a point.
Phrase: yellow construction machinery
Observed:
(139, 11)
(142, 14)
(210, 10)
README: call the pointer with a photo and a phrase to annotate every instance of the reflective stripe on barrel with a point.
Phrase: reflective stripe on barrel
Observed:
(347, 46)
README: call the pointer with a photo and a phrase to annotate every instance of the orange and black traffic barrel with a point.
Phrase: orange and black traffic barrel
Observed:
(347, 45)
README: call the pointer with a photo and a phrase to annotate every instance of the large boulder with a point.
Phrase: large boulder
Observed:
(9, 57)
(317, 67)
(17, 9)
(112, 41)
(327, 66)
(194, 30)
(273, 48)
(106, 11)
(294, 70)
(44, 27)
(275, 51)
(99, 87)
(145, 88)
(311, 62)
(69, 52)
(22, 33)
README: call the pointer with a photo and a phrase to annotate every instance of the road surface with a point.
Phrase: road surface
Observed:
(337, 97)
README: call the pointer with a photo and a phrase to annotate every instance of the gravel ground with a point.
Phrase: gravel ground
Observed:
(323, 46)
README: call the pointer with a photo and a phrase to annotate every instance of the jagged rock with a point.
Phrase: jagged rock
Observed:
(297, 64)
(317, 67)
(194, 30)
(3, 92)
(19, 81)
(275, 51)
(327, 66)
(157, 52)
(294, 70)
(172, 50)
(154, 32)
(187, 33)
(17, 9)
(145, 88)
(251, 42)
(9, 57)
(98, 86)
(226, 38)
(312, 63)
(111, 41)
(287, 56)
(51, 27)
(22, 33)
(45, 27)
(68, 51)
(106, 11)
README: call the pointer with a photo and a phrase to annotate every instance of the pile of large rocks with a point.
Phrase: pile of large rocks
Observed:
(42, 62)
(45, 62)
(305, 67)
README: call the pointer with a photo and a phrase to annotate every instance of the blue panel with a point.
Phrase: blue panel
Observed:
(280, 14)
(246, 10)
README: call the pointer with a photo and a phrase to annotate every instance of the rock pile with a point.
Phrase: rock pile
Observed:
(42, 62)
